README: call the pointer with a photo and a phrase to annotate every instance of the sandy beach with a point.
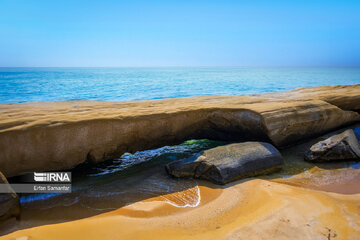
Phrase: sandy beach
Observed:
(179, 120)
(254, 209)
(304, 201)
(314, 201)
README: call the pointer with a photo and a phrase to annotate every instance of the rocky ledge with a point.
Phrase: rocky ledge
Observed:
(60, 135)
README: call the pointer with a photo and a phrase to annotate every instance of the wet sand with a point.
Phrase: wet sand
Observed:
(253, 209)
(344, 181)
(303, 201)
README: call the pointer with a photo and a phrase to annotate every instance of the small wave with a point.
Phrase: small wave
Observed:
(187, 198)
(162, 154)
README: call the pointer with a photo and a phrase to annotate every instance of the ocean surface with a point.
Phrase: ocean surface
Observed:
(109, 185)
(114, 84)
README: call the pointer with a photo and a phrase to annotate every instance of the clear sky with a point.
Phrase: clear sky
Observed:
(179, 33)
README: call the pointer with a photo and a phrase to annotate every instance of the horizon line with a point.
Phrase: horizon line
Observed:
(196, 66)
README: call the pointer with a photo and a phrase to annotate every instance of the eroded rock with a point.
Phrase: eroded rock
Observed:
(228, 163)
(343, 146)
(62, 135)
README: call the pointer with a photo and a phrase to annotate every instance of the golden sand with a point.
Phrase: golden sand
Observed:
(293, 208)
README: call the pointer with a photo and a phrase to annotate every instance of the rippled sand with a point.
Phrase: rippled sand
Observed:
(317, 204)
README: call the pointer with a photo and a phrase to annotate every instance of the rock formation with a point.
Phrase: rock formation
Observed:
(60, 135)
(230, 162)
(343, 146)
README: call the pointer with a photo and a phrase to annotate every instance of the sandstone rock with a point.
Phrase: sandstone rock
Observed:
(330, 94)
(9, 202)
(49, 136)
(289, 122)
(343, 146)
(228, 163)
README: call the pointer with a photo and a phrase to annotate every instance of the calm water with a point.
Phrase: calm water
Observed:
(135, 177)
(98, 188)
(50, 84)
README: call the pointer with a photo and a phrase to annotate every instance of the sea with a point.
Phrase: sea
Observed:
(121, 84)
(133, 177)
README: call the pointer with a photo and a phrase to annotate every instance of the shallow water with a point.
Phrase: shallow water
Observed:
(113, 184)
(343, 180)
(113, 84)
(141, 176)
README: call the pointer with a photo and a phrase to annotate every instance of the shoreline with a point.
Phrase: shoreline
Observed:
(275, 209)
(276, 205)
(61, 135)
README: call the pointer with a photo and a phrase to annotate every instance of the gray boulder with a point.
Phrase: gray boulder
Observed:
(9, 202)
(343, 146)
(228, 163)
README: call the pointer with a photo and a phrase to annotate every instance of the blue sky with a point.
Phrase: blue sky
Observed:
(179, 33)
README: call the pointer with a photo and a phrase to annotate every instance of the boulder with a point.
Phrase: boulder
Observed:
(343, 146)
(9, 202)
(230, 162)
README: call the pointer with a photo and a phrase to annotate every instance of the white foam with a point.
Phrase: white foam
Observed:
(186, 203)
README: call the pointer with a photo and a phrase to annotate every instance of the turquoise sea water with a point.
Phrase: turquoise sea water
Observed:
(112, 84)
